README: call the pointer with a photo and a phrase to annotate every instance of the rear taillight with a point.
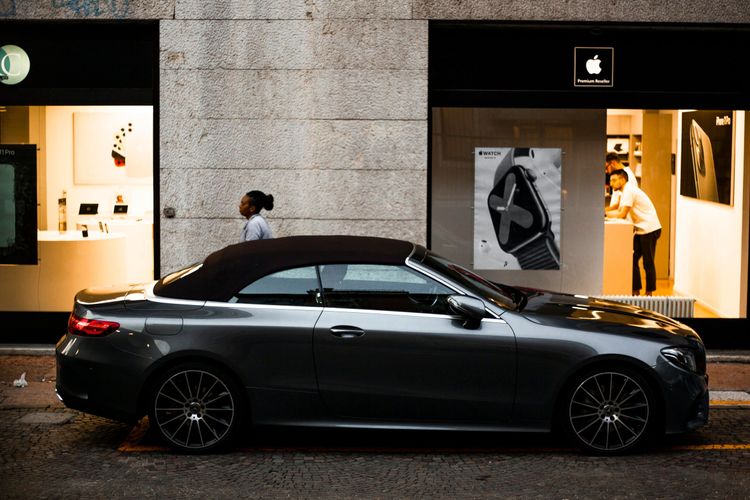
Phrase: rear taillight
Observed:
(91, 327)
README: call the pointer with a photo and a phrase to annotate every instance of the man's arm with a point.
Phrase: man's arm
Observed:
(618, 213)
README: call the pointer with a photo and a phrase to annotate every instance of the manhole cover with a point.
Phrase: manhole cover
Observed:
(46, 418)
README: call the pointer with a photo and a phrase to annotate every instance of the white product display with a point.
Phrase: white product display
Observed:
(68, 263)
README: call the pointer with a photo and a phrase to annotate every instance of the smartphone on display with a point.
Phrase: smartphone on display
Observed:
(703, 164)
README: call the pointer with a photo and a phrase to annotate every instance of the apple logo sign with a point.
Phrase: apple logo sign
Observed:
(593, 65)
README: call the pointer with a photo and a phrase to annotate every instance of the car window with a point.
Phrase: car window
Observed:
(291, 287)
(504, 296)
(382, 287)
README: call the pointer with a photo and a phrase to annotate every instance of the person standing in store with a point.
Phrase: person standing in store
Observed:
(256, 227)
(612, 163)
(636, 204)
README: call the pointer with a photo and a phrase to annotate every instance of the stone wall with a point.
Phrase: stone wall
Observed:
(328, 115)
(322, 103)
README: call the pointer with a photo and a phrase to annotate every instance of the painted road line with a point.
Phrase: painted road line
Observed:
(733, 404)
(135, 447)
(712, 447)
(136, 434)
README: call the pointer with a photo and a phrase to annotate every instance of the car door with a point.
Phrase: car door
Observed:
(264, 333)
(387, 347)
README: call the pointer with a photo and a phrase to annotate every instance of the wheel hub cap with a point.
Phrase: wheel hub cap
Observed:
(195, 410)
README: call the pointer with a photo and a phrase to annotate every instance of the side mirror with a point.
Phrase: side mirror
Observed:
(471, 309)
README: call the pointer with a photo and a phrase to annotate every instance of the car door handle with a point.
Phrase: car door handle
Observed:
(346, 332)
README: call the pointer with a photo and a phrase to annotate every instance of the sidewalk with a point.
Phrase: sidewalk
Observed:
(728, 372)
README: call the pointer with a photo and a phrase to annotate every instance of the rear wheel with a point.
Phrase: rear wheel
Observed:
(609, 411)
(196, 408)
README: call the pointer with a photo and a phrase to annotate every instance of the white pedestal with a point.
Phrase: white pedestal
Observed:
(68, 263)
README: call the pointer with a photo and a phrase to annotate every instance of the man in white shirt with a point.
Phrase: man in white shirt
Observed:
(636, 204)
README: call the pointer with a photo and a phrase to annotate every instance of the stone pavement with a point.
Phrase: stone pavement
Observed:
(49, 451)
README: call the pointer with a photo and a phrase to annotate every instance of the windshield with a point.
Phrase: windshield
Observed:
(504, 296)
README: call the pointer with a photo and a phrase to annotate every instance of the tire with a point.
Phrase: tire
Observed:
(609, 411)
(196, 408)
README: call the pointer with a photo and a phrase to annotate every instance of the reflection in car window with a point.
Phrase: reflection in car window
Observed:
(382, 287)
(503, 296)
(292, 287)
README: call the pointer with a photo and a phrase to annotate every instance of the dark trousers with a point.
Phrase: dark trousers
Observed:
(644, 245)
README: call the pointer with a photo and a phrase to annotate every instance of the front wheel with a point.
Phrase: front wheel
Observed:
(609, 411)
(196, 408)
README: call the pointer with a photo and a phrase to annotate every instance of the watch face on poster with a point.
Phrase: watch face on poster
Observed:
(517, 212)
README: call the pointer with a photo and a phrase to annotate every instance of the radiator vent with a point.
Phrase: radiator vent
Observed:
(674, 307)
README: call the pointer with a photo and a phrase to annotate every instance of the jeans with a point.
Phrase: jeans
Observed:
(644, 245)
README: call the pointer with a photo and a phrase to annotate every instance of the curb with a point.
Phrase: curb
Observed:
(28, 349)
(728, 357)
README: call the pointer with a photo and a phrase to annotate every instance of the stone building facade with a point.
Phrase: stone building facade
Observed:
(323, 103)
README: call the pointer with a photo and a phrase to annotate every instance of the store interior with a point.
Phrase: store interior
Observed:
(94, 187)
(702, 253)
(702, 249)
(94, 198)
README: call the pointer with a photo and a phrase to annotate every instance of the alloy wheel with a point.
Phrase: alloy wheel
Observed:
(194, 409)
(609, 411)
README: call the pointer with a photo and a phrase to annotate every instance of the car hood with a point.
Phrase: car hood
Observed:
(591, 313)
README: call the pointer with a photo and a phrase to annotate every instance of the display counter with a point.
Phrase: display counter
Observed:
(68, 262)
(139, 247)
(618, 257)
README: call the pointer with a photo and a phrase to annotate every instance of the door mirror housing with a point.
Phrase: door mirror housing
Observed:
(469, 308)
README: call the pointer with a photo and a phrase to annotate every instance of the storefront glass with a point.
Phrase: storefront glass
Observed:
(519, 196)
(92, 213)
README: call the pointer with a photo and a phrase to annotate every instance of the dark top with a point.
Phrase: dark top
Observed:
(230, 269)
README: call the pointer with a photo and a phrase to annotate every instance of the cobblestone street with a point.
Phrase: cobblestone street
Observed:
(79, 458)
(50, 451)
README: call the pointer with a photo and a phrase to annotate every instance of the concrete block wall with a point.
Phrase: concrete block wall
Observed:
(322, 103)
(328, 115)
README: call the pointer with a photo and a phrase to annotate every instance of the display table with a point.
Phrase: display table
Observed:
(618, 257)
(139, 247)
(68, 262)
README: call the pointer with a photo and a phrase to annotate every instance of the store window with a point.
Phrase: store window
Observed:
(88, 172)
(518, 195)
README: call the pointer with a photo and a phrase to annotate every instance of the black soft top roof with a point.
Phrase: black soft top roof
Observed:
(230, 269)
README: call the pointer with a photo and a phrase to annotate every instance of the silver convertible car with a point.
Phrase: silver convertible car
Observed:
(345, 331)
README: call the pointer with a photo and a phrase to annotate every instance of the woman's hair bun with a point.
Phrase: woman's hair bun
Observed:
(261, 200)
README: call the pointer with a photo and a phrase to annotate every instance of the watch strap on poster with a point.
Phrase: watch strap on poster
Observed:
(541, 253)
(521, 152)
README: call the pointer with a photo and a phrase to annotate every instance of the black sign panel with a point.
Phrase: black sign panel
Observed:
(532, 65)
(18, 236)
(593, 67)
(83, 62)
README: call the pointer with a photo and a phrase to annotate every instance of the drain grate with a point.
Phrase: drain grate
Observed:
(46, 418)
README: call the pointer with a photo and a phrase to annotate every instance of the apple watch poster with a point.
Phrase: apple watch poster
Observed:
(517, 208)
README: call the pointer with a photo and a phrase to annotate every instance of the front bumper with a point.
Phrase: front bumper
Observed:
(685, 397)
